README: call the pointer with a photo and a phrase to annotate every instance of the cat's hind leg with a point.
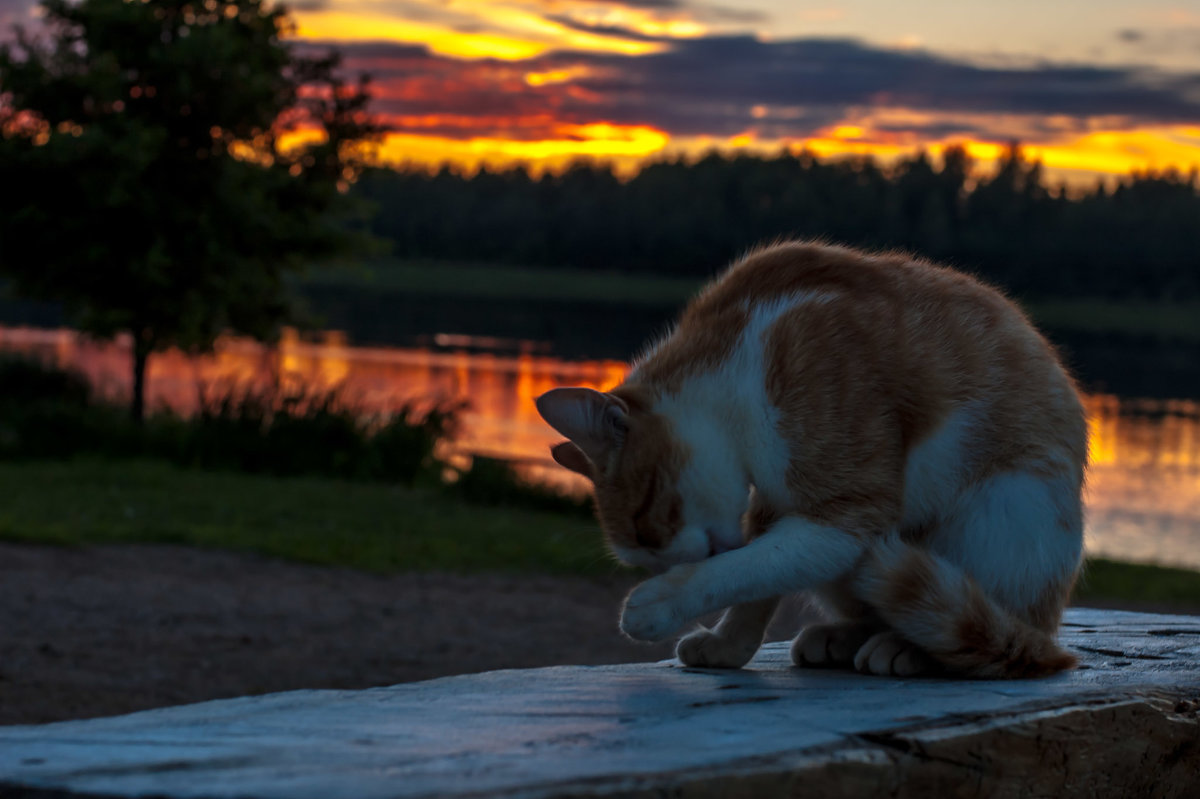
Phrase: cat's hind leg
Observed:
(887, 653)
(832, 645)
(735, 639)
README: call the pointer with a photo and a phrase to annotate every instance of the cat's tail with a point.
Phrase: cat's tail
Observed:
(940, 608)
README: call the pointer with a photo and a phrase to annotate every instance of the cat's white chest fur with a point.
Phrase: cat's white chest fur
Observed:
(731, 429)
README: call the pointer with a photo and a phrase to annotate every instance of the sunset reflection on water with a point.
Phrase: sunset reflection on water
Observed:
(1143, 491)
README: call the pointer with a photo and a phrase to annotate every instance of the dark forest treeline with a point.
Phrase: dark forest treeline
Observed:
(1138, 239)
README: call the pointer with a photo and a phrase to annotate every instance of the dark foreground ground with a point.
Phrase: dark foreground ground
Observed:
(95, 631)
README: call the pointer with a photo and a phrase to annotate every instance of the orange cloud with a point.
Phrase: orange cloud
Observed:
(347, 27)
(557, 75)
(512, 33)
(645, 21)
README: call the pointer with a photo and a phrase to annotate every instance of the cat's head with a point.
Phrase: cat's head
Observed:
(649, 505)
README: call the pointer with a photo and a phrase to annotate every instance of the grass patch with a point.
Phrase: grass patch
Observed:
(1113, 580)
(316, 520)
(365, 526)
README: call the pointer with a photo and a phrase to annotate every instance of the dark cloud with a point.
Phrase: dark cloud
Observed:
(705, 10)
(712, 86)
(603, 30)
(1130, 36)
(818, 72)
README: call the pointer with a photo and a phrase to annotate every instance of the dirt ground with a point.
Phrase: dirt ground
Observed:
(105, 630)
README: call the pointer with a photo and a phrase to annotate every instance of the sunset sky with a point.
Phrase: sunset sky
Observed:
(1090, 86)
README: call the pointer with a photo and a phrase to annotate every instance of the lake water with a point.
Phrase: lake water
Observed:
(1143, 493)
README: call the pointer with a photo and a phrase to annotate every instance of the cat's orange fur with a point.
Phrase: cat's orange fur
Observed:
(888, 433)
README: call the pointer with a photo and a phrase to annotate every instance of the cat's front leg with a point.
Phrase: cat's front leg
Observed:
(658, 607)
(795, 554)
(733, 642)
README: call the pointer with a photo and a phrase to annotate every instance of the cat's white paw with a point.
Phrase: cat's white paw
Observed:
(888, 654)
(711, 649)
(655, 609)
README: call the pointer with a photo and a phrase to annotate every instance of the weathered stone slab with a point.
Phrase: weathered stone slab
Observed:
(1124, 724)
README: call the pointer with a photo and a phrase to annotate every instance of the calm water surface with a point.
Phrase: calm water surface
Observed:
(1143, 493)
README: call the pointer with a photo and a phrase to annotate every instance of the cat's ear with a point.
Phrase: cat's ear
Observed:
(594, 422)
(568, 455)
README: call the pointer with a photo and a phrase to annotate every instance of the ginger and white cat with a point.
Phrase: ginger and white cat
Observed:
(890, 434)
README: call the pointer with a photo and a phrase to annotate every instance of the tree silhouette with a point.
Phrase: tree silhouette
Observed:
(149, 182)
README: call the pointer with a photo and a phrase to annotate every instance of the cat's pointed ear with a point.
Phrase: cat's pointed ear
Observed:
(594, 422)
(572, 457)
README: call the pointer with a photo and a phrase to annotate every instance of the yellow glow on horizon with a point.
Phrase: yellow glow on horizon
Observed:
(556, 76)
(593, 139)
(1079, 161)
(832, 147)
(847, 132)
(986, 151)
(625, 146)
(1121, 152)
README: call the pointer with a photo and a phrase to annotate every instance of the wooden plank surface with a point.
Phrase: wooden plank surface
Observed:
(1124, 724)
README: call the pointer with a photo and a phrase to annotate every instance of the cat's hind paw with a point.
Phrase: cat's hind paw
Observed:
(709, 649)
(888, 654)
(831, 645)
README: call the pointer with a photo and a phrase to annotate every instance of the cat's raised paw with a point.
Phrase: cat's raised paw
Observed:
(831, 645)
(888, 654)
(654, 610)
(709, 649)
